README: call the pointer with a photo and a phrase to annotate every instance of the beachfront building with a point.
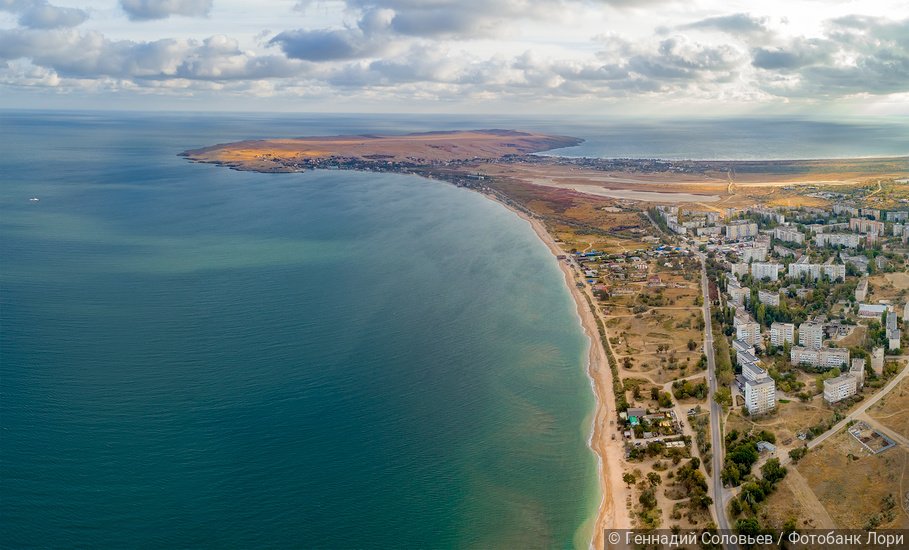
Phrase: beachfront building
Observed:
(811, 334)
(760, 270)
(760, 395)
(861, 289)
(848, 240)
(803, 266)
(839, 388)
(789, 235)
(824, 358)
(780, 333)
(769, 298)
(741, 229)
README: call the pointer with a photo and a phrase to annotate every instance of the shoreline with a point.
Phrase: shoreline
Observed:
(610, 513)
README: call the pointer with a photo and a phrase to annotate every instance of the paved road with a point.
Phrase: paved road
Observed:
(716, 411)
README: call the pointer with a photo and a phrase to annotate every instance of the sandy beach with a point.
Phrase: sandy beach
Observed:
(612, 512)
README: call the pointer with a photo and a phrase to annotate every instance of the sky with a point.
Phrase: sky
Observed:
(580, 57)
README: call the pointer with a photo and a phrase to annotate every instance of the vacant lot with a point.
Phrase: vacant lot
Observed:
(855, 487)
(893, 409)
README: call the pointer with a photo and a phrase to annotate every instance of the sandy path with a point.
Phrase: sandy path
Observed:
(612, 513)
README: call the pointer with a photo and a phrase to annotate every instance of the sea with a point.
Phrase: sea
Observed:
(197, 357)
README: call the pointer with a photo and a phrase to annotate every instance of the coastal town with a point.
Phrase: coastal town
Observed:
(748, 319)
(806, 309)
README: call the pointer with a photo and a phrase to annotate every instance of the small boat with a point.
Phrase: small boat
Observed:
(34, 199)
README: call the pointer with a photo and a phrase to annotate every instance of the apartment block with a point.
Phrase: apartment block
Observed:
(825, 358)
(839, 388)
(761, 270)
(780, 333)
(760, 395)
(811, 334)
(789, 235)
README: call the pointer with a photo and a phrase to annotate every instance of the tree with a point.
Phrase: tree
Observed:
(772, 471)
(692, 345)
(654, 479)
(629, 478)
(654, 393)
(648, 499)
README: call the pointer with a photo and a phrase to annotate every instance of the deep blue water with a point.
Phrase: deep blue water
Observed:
(192, 356)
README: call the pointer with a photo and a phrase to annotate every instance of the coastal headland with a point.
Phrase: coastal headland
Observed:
(585, 206)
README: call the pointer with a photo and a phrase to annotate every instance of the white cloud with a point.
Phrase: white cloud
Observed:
(162, 9)
(509, 51)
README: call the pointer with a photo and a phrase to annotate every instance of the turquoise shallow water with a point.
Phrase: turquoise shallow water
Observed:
(192, 356)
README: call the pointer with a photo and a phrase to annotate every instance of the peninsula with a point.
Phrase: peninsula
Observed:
(647, 246)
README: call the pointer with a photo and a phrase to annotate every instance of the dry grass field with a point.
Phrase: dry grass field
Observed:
(853, 486)
(893, 409)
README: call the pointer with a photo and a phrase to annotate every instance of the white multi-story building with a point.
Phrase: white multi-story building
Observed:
(741, 230)
(749, 332)
(761, 270)
(814, 271)
(825, 358)
(861, 225)
(783, 251)
(897, 216)
(780, 333)
(751, 370)
(769, 298)
(760, 395)
(877, 361)
(873, 212)
(861, 289)
(839, 388)
(844, 209)
(738, 294)
(739, 269)
(811, 334)
(857, 371)
(789, 235)
(894, 334)
(848, 240)
(755, 253)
